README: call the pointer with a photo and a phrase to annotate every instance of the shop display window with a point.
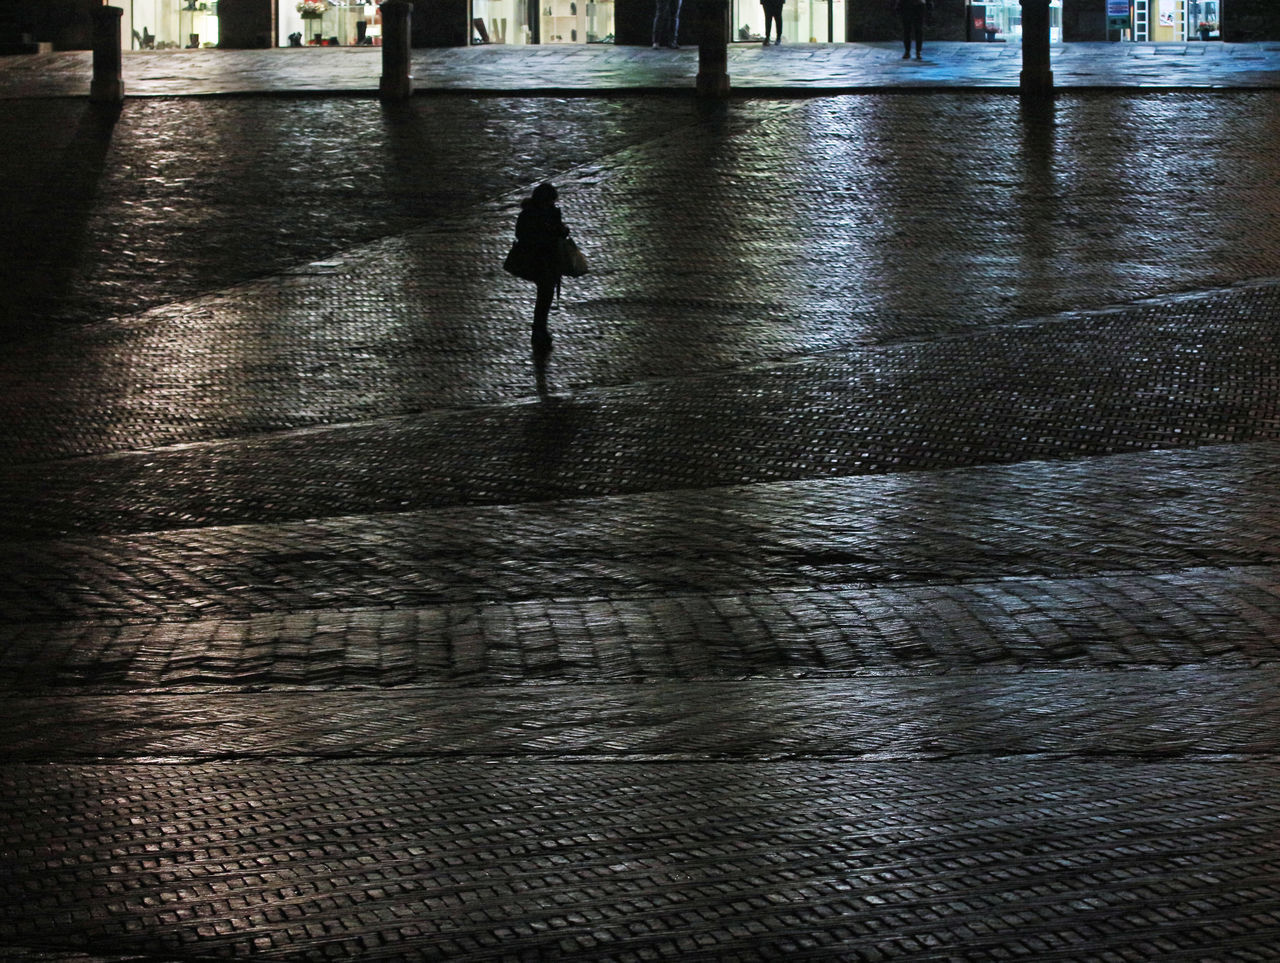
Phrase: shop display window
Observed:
(171, 24)
(329, 23)
(1176, 21)
(500, 21)
(576, 21)
(556, 21)
(803, 21)
(1001, 20)
(1204, 20)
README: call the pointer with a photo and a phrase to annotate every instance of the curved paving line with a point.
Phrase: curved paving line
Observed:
(1157, 512)
(418, 320)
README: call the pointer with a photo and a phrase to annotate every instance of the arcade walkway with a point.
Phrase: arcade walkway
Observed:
(789, 68)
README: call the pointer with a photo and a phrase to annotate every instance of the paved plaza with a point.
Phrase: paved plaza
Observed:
(583, 69)
(884, 564)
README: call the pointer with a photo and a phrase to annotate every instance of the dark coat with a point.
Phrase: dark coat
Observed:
(539, 229)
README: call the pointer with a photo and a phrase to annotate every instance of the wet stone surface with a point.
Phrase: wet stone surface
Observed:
(883, 565)
(789, 69)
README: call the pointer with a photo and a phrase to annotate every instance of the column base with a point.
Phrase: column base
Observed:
(713, 85)
(395, 88)
(1038, 83)
(106, 91)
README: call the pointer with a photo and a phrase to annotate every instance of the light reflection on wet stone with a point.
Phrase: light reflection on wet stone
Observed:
(808, 597)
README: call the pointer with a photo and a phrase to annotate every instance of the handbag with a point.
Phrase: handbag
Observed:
(521, 262)
(573, 263)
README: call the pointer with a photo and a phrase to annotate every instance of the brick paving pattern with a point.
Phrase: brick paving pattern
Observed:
(883, 565)
(588, 68)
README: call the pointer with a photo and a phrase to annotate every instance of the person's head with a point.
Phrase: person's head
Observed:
(544, 194)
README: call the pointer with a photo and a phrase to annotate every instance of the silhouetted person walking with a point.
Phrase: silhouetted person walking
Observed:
(539, 230)
(772, 15)
(913, 14)
(666, 23)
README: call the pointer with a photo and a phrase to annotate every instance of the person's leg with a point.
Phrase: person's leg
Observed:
(777, 32)
(542, 308)
(919, 30)
(906, 33)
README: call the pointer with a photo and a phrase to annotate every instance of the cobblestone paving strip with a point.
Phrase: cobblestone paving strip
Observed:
(1080, 861)
(1222, 617)
(1171, 374)
(1059, 713)
(1151, 513)
(820, 232)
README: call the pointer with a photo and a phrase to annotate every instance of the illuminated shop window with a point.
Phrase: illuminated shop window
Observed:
(170, 24)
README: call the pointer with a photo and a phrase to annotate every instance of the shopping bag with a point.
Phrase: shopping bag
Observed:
(573, 263)
(521, 262)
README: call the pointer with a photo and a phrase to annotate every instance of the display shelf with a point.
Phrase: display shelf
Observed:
(197, 27)
(576, 21)
(340, 23)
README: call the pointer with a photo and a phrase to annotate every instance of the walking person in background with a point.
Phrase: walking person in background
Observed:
(913, 15)
(539, 231)
(666, 23)
(772, 14)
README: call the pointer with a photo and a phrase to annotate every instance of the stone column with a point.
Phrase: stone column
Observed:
(713, 48)
(1036, 78)
(107, 86)
(396, 82)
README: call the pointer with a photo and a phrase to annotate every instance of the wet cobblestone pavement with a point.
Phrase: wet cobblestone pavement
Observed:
(587, 68)
(883, 565)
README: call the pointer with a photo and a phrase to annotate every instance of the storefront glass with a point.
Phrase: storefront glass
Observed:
(329, 23)
(1002, 21)
(170, 24)
(500, 21)
(1203, 20)
(541, 21)
(1176, 21)
(803, 21)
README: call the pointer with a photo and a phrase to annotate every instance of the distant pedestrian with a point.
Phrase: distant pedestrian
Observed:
(772, 15)
(539, 231)
(666, 23)
(913, 15)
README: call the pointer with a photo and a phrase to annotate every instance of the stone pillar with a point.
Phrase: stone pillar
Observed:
(396, 82)
(713, 47)
(1036, 78)
(246, 24)
(440, 23)
(107, 86)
